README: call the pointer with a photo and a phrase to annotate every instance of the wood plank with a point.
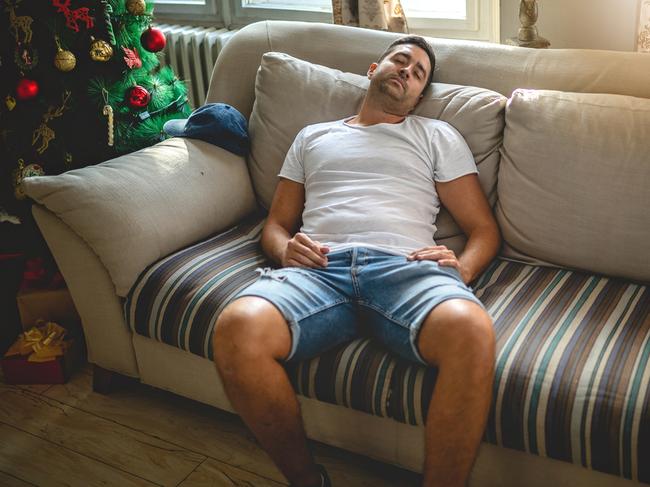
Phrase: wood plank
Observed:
(213, 473)
(55, 466)
(7, 480)
(216, 434)
(189, 424)
(123, 448)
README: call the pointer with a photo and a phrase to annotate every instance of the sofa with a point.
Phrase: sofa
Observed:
(155, 243)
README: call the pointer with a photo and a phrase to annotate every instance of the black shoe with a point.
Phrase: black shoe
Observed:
(324, 478)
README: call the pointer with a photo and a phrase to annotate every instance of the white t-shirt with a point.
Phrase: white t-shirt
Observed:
(374, 185)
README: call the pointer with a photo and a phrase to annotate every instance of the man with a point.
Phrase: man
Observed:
(367, 190)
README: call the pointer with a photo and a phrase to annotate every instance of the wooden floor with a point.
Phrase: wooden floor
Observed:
(138, 435)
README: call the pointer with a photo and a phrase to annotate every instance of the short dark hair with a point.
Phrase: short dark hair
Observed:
(416, 41)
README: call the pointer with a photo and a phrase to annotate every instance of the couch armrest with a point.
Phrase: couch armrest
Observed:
(138, 208)
(108, 339)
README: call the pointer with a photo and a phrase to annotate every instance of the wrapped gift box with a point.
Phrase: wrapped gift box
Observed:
(45, 304)
(34, 360)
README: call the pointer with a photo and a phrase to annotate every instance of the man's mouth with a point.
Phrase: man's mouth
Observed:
(401, 83)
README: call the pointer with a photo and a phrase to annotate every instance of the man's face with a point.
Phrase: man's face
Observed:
(401, 76)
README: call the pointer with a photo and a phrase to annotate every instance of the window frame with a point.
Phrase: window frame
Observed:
(243, 15)
(482, 23)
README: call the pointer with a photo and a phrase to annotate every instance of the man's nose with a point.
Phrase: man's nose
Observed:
(404, 72)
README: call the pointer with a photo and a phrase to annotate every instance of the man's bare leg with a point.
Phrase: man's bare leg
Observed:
(251, 336)
(457, 337)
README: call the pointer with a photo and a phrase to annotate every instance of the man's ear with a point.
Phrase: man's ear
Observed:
(371, 69)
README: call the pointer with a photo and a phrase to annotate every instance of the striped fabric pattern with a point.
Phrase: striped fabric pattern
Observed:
(573, 374)
(573, 352)
(178, 299)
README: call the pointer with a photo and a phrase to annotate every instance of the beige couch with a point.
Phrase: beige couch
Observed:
(566, 161)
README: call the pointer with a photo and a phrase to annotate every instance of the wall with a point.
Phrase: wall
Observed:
(586, 24)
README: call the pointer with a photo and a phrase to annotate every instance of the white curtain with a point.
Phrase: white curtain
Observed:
(372, 14)
(643, 37)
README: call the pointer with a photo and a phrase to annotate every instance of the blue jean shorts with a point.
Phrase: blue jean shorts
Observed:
(361, 292)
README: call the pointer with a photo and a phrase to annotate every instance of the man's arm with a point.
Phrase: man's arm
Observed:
(464, 199)
(280, 241)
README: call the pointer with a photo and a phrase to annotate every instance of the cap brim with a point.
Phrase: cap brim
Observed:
(175, 128)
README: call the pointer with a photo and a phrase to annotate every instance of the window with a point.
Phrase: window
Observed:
(435, 9)
(461, 19)
(315, 5)
(188, 9)
(456, 19)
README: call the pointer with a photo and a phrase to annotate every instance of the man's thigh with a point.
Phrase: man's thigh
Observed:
(397, 295)
(320, 315)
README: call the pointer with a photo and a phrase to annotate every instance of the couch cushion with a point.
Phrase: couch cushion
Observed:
(178, 299)
(574, 181)
(137, 208)
(573, 371)
(325, 94)
(573, 365)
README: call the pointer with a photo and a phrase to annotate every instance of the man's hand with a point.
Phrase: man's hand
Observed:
(442, 255)
(301, 251)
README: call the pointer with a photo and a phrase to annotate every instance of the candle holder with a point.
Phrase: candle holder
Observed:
(528, 35)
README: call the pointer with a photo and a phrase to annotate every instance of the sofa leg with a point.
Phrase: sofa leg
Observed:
(104, 381)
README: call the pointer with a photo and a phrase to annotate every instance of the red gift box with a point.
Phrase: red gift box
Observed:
(41, 356)
(18, 370)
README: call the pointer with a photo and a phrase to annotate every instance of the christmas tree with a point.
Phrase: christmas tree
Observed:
(80, 83)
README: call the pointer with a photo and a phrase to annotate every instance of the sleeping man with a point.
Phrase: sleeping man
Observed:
(351, 229)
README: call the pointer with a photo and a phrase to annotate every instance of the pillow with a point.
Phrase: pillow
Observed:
(140, 207)
(291, 93)
(574, 181)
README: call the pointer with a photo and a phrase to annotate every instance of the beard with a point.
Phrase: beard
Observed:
(388, 88)
(392, 97)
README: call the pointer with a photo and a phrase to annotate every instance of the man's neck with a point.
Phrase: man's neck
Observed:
(370, 115)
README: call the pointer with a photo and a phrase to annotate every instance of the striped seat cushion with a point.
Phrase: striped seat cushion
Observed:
(178, 299)
(573, 350)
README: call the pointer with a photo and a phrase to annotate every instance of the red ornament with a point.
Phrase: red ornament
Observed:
(137, 97)
(26, 89)
(71, 16)
(153, 39)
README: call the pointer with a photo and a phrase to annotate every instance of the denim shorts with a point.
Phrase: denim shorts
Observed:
(361, 292)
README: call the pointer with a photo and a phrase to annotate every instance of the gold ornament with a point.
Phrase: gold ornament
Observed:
(64, 60)
(23, 172)
(136, 7)
(100, 50)
(22, 23)
(44, 132)
(10, 101)
(108, 111)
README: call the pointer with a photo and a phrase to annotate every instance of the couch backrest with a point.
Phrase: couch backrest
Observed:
(525, 225)
(493, 66)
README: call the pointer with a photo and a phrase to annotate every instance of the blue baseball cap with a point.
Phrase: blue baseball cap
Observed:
(216, 123)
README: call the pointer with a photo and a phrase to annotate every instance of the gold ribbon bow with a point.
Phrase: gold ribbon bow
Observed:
(42, 343)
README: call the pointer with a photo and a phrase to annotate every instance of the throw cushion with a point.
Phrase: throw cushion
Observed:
(135, 209)
(291, 93)
(574, 179)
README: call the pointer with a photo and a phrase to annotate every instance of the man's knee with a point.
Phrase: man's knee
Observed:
(457, 329)
(248, 329)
